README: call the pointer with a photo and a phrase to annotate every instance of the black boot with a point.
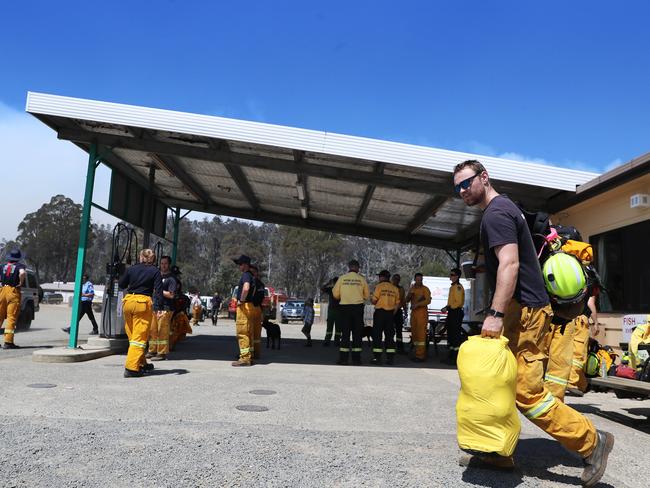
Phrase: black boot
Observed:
(344, 358)
(390, 359)
(376, 360)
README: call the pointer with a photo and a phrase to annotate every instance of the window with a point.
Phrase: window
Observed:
(623, 261)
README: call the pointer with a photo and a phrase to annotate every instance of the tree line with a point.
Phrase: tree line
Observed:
(294, 259)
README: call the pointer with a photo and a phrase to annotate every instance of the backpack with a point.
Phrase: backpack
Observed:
(565, 277)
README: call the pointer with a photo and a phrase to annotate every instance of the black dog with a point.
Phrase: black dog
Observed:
(273, 333)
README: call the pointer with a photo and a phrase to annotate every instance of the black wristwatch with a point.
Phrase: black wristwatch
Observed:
(494, 313)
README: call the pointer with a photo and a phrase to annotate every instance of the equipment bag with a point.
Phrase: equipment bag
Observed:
(486, 417)
(625, 372)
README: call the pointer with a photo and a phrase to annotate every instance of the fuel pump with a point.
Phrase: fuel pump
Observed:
(124, 249)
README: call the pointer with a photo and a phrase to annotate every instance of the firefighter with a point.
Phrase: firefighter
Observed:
(399, 313)
(454, 310)
(258, 317)
(419, 296)
(583, 330)
(143, 298)
(520, 309)
(351, 290)
(13, 279)
(159, 333)
(197, 308)
(245, 319)
(332, 311)
(386, 299)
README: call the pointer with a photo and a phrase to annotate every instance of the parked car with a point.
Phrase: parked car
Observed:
(293, 310)
(52, 298)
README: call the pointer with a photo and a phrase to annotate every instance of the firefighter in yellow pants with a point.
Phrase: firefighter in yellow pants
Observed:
(419, 296)
(525, 329)
(143, 282)
(246, 312)
(521, 311)
(161, 322)
(258, 318)
(560, 357)
(13, 278)
(577, 380)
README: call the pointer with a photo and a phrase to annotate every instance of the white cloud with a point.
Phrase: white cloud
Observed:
(35, 165)
(479, 148)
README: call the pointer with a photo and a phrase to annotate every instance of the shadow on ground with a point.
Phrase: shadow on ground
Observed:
(293, 351)
(642, 425)
(536, 458)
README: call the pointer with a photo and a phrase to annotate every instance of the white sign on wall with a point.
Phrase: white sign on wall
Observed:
(629, 324)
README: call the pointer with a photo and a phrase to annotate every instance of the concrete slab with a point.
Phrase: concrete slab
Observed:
(323, 425)
(67, 355)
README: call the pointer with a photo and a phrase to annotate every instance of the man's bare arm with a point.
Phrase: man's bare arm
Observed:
(507, 273)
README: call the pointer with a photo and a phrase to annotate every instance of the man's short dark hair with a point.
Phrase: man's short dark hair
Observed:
(168, 258)
(353, 263)
(456, 271)
(477, 166)
(418, 274)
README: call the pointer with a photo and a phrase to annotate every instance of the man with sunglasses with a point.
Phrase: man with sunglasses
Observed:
(520, 310)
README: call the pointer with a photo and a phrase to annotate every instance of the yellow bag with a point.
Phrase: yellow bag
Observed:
(486, 415)
(583, 251)
(641, 335)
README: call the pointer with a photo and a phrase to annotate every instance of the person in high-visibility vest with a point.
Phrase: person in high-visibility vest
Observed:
(351, 290)
(398, 319)
(419, 297)
(13, 279)
(386, 300)
(143, 298)
(454, 309)
(521, 311)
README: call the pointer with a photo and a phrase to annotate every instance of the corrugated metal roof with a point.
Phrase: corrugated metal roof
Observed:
(301, 177)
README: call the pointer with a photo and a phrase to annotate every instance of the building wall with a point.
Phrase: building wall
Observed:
(601, 213)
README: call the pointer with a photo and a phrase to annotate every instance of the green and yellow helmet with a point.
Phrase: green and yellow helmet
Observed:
(564, 276)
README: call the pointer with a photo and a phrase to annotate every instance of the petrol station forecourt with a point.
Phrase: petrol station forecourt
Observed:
(325, 426)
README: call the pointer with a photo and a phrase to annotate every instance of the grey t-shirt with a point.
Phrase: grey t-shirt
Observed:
(504, 223)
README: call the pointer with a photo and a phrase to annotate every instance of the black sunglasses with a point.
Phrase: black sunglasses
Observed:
(465, 184)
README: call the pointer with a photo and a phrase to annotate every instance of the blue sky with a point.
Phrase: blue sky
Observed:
(559, 82)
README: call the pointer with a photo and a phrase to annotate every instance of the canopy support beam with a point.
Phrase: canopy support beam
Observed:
(83, 243)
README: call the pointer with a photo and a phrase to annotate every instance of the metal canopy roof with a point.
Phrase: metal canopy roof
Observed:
(306, 178)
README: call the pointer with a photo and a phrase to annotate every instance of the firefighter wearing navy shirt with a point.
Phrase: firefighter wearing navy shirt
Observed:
(143, 298)
(258, 298)
(520, 310)
(245, 318)
(159, 334)
(13, 278)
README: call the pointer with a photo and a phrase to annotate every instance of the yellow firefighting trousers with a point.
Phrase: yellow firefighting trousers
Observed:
(577, 378)
(9, 309)
(159, 333)
(257, 332)
(419, 318)
(526, 329)
(196, 315)
(560, 358)
(137, 310)
(244, 323)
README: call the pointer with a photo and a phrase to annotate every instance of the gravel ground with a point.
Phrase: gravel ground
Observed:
(325, 425)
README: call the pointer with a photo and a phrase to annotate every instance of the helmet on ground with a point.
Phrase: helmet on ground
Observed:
(564, 276)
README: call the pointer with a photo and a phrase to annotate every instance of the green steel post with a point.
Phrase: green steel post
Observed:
(83, 241)
(177, 221)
